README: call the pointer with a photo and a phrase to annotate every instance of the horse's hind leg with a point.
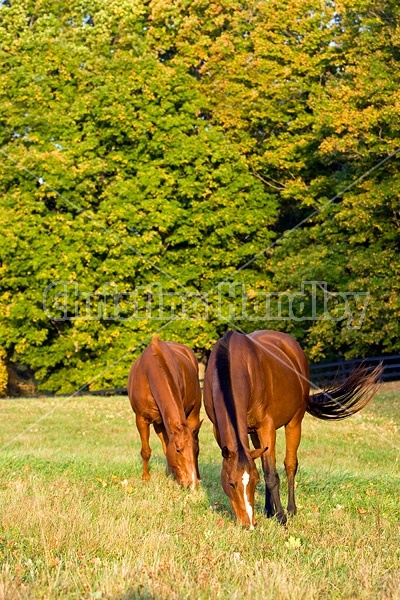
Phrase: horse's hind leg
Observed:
(293, 435)
(273, 506)
(144, 432)
(162, 434)
(194, 423)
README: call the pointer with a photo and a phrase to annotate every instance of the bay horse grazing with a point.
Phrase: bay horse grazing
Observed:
(164, 391)
(255, 384)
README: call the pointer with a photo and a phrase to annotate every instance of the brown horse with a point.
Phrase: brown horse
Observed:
(256, 384)
(164, 390)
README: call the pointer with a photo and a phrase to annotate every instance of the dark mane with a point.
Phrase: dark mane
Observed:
(224, 377)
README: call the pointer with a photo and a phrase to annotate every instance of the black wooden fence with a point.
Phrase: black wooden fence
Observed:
(325, 373)
(321, 374)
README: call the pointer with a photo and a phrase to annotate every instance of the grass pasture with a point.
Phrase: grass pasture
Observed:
(76, 521)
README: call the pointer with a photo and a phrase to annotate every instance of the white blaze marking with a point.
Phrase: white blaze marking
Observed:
(193, 480)
(249, 509)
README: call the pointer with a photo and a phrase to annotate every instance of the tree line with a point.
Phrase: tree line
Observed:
(225, 153)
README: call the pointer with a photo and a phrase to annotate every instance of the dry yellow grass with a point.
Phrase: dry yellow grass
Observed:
(78, 522)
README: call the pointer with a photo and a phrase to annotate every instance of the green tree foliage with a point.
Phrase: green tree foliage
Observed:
(309, 91)
(111, 173)
(167, 144)
(3, 372)
(354, 244)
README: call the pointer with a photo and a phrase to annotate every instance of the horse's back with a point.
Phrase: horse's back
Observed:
(286, 344)
(139, 388)
(182, 351)
(230, 360)
(189, 371)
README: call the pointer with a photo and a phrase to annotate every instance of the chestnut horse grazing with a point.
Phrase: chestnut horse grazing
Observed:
(164, 390)
(255, 384)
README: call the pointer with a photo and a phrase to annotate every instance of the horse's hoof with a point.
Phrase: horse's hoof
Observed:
(268, 514)
(281, 518)
(146, 477)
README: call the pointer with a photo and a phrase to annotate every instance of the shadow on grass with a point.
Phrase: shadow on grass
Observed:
(211, 483)
(219, 501)
(140, 593)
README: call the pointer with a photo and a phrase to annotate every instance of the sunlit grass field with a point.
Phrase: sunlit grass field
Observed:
(76, 520)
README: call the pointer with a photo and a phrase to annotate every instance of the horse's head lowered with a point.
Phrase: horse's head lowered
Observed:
(182, 453)
(239, 477)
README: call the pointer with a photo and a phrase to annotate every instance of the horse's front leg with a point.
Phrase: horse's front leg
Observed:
(273, 505)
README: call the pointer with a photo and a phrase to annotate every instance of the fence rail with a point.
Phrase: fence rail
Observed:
(325, 372)
(321, 374)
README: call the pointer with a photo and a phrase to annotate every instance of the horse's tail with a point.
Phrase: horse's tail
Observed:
(340, 401)
(160, 350)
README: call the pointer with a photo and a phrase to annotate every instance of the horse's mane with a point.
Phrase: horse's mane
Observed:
(222, 364)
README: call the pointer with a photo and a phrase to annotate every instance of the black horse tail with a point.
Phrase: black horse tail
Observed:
(340, 401)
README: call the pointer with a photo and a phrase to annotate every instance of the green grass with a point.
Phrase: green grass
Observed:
(78, 522)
